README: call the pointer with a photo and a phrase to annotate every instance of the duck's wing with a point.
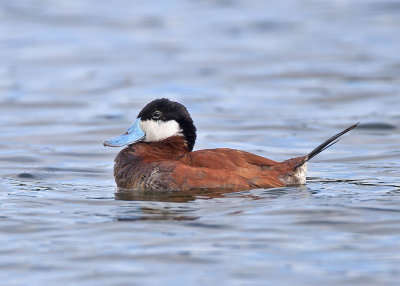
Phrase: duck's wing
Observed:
(225, 158)
(225, 168)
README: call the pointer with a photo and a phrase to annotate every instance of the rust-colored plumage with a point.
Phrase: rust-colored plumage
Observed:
(169, 166)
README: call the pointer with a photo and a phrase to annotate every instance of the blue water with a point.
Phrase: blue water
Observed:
(271, 78)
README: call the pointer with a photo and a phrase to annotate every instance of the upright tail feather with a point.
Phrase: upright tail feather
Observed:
(328, 143)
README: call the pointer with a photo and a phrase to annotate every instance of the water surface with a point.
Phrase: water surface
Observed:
(275, 79)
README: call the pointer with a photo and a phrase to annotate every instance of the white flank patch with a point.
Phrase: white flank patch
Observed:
(301, 174)
(159, 130)
(298, 177)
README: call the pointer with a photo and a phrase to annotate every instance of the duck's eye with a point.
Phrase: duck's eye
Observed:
(156, 115)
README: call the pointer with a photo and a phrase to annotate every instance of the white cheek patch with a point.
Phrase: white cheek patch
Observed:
(159, 130)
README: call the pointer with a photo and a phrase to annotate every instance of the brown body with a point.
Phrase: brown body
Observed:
(168, 165)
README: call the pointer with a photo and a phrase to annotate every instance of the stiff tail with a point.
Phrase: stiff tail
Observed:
(328, 143)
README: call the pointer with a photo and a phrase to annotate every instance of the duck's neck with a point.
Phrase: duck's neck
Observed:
(166, 149)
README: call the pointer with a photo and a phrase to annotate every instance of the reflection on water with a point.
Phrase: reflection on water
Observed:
(181, 197)
(275, 78)
(135, 195)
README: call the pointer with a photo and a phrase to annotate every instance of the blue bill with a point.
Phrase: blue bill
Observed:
(132, 135)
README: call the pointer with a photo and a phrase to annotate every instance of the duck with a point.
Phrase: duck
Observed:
(159, 157)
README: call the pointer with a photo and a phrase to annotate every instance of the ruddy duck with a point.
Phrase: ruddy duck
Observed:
(159, 157)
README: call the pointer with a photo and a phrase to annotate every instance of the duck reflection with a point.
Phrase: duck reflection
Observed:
(142, 211)
(176, 197)
(162, 209)
(193, 195)
(135, 213)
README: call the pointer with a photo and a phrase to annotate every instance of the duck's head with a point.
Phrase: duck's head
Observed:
(158, 120)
